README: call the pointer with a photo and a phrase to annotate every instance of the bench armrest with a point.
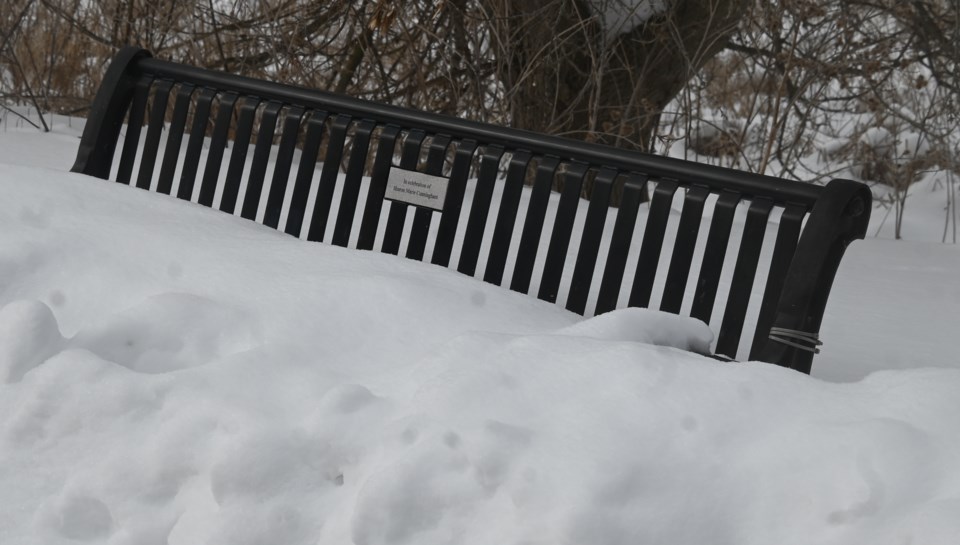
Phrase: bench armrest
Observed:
(839, 217)
(107, 113)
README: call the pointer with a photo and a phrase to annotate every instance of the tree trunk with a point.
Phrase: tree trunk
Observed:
(563, 76)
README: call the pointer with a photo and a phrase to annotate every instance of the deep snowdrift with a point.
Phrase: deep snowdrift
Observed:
(170, 374)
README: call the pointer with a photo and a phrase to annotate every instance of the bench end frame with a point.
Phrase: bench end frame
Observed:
(107, 114)
(838, 218)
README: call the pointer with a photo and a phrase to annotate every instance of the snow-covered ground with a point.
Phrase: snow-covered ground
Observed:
(173, 375)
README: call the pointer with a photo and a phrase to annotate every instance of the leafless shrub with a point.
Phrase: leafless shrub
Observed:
(785, 87)
(810, 84)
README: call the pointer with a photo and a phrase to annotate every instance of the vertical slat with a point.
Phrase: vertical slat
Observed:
(328, 177)
(590, 241)
(562, 229)
(261, 155)
(211, 174)
(450, 218)
(714, 254)
(683, 247)
(131, 141)
(652, 243)
(281, 169)
(479, 209)
(613, 269)
(308, 162)
(351, 183)
(422, 217)
(743, 275)
(398, 210)
(241, 145)
(378, 187)
(533, 224)
(506, 217)
(201, 116)
(787, 236)
(152, 142)
(171, 154)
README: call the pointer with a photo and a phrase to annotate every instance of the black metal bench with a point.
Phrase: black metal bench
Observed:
(586, 261)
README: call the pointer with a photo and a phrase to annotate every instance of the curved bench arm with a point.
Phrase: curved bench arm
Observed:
(839, 217)
(100, 134)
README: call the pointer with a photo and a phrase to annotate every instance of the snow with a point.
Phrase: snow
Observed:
(877, 137)
(174, 375)
(622, 16)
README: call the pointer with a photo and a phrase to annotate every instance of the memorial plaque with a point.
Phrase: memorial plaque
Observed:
(416, 188)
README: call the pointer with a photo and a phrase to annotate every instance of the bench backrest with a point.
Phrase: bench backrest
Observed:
(470, 191)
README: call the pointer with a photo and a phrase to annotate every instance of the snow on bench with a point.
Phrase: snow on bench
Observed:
(745, 253)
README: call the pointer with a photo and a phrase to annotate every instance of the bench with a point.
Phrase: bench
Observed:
(730, 248)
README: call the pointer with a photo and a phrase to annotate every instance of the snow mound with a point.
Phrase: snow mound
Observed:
(642, 325)
(29, 335)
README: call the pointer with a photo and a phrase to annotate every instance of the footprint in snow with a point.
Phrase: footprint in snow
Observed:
(168, 332)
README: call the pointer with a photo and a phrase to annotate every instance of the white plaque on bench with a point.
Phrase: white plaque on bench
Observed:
(416, 188)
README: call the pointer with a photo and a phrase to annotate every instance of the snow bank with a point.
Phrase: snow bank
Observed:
(173, 375)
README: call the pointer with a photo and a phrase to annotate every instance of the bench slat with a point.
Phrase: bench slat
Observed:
(261, 155)
(327, 184)
(198, 130)
(533, 224)
(422, 217)
(238, 159)
(687, 232)
(616, 265)
(450, 218)
(590, 241)
(714, 255)
(648, 262)
(171, 153)
(151, 144)
(506, 217)
(305, 172)
(744, 273)
(281, 170)
(131, 142)
(479, 209)
(787, 236)
(562, 230)
(211, 174)
(397, 216)
(378, 187)
(351, 183)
